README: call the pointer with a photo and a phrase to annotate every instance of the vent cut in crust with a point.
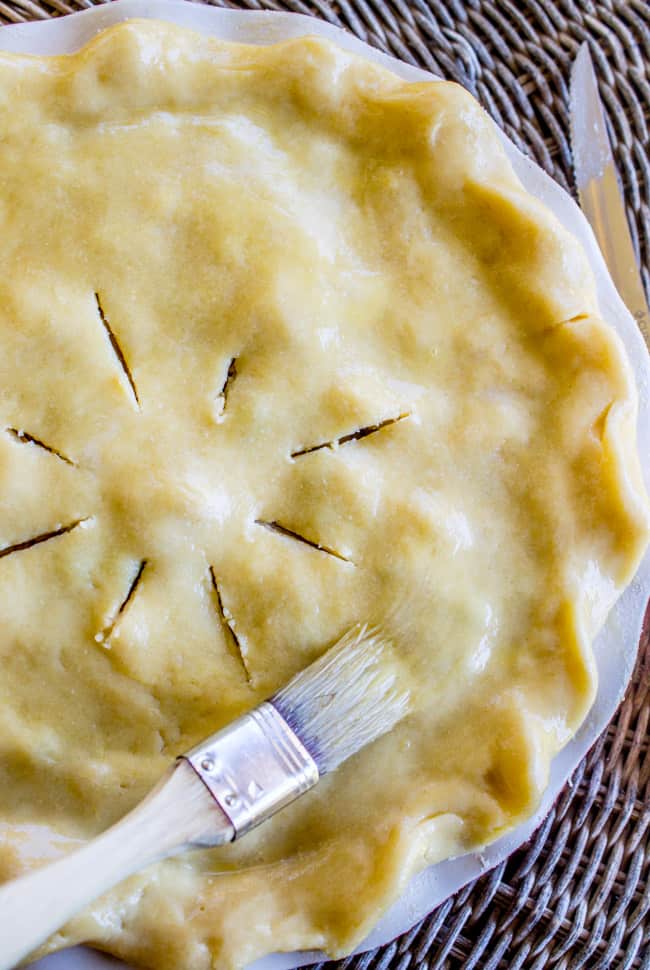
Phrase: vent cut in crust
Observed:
(284, 345)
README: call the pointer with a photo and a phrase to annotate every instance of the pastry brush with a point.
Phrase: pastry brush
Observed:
(224, 787)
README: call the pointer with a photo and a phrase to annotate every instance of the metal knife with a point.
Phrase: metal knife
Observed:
(600, 196)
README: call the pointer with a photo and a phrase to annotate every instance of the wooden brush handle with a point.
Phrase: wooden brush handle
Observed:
(178, 814)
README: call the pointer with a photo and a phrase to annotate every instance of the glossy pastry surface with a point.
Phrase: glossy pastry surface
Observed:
(284, 346)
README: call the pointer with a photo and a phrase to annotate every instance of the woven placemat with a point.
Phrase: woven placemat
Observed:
(578, 894)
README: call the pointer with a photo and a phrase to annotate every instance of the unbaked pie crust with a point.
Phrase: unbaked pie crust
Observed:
(284, 342)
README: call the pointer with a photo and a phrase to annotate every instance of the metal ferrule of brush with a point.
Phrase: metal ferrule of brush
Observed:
(254, 767)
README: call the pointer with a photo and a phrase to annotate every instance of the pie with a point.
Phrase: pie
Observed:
(285, 346)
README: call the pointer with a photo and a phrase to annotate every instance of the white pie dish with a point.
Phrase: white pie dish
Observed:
(616, 646)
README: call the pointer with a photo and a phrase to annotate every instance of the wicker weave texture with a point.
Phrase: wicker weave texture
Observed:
(578, 894)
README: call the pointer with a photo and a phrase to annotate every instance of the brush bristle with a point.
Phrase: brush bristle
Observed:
(345, 699)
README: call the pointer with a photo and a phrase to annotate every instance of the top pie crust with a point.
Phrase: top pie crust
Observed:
(284, 345)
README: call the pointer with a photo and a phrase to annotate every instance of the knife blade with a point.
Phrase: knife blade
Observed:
(599, 192)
